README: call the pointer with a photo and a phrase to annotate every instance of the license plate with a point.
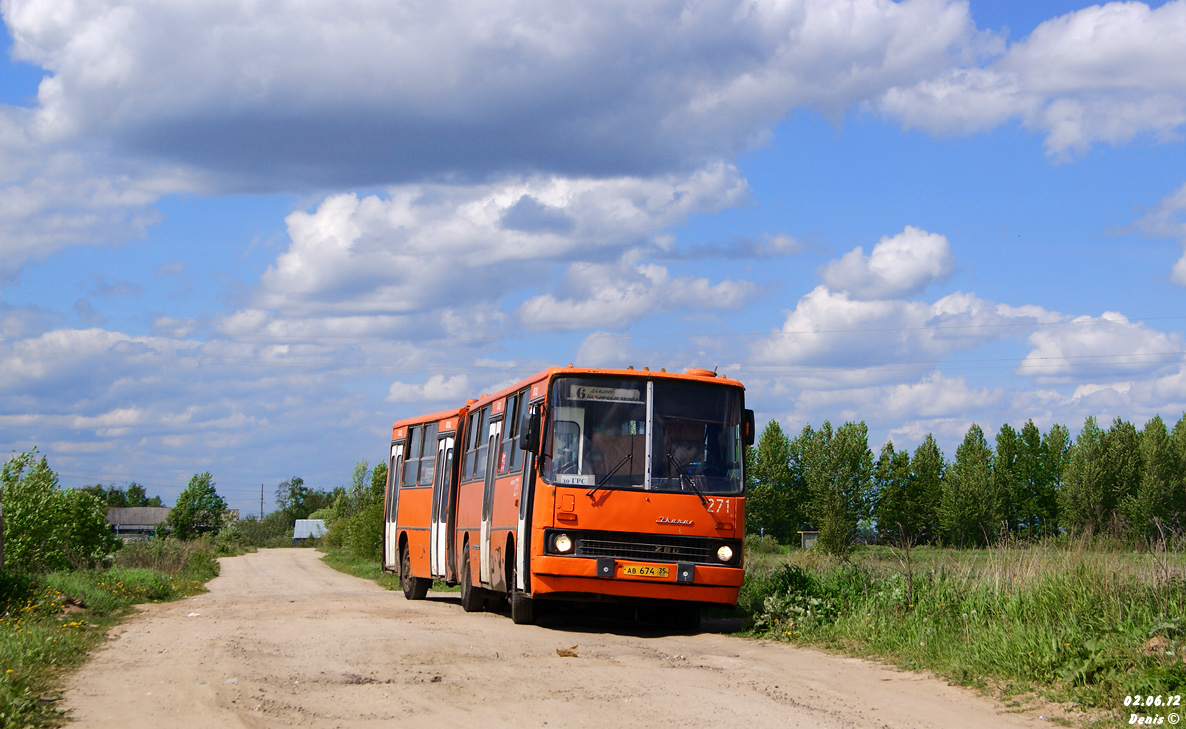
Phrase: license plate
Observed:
(646, 570)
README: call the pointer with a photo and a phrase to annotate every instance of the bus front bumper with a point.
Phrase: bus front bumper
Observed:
(632, 579)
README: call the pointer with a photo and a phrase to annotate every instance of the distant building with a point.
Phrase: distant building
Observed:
(136, 522)
(306, 529)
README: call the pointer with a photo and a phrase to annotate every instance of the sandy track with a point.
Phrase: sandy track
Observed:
(283, 640)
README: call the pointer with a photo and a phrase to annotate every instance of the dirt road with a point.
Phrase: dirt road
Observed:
(283, 640)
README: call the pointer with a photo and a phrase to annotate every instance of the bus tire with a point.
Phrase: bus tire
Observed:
(471, 597)
(415, 588)
(522, 608)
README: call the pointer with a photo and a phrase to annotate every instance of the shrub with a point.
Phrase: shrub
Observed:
(762, 544)
(88, 539)
(231, 541)
(274, 530)
(15, 589)
(193, 560)
(366, 532)
(46, 529)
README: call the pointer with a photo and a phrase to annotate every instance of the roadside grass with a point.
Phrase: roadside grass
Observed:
(344, 560)
(48, 623)
(1080, 623)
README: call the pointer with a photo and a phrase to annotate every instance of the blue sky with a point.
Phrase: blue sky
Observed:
(246, 239)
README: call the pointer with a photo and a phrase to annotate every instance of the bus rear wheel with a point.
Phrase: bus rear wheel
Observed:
(415, 588)
(471, 598)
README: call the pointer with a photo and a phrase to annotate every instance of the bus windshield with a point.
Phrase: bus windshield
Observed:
(602, 430)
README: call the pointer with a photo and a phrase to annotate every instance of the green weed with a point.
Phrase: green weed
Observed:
(1066, 623)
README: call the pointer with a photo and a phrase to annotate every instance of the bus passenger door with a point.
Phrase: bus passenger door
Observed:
(390, 533)
(438, 527)
(488, 501)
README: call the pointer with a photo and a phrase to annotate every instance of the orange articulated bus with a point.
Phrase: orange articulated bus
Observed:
(577, 484)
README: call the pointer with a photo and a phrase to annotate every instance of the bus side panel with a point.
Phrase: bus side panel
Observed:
(415, 513)
(469, 523)
(504, 521)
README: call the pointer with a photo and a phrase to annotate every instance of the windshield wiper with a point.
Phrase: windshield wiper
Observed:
(608, 476)
(679, 468)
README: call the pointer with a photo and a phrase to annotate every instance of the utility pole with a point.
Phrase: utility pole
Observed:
(261, 502)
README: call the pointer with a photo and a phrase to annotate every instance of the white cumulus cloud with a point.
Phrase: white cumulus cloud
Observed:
(834, 329)
(598, 295)
(1105, 73)
(392, 263)
(1100, 346)
(437, 388)
(900, 265)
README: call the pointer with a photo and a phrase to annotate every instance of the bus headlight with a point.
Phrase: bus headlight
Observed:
(724, 553)
(562, 544)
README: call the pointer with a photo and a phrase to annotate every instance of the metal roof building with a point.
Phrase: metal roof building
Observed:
(136, 520)
(308, 529)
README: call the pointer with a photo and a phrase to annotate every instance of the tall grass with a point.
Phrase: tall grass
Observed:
(1074, 623)
(189, 560)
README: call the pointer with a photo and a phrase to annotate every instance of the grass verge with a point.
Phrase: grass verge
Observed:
(1076, 626)
(344, 560)
(48, 623)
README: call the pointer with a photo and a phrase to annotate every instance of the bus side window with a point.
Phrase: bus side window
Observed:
(447, 476)
(412, 457)
(393, 481)
(471, 448)
(508, 446)
(516, 445)
(428, 458)
(482, 434)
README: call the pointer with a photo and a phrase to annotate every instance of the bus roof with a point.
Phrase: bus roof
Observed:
(401, 426)
(692, 375)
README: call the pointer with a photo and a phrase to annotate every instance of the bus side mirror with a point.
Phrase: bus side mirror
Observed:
(530, 428)
(747, 427)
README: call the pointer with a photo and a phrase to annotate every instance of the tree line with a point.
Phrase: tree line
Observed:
(1025, 484)
(115, 497)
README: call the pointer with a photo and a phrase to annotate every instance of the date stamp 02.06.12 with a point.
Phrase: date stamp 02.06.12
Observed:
(1147, 710)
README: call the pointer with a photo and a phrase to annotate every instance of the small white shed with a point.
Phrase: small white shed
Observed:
(305, 529)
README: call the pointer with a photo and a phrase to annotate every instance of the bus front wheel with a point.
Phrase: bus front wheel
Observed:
(522, 606)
